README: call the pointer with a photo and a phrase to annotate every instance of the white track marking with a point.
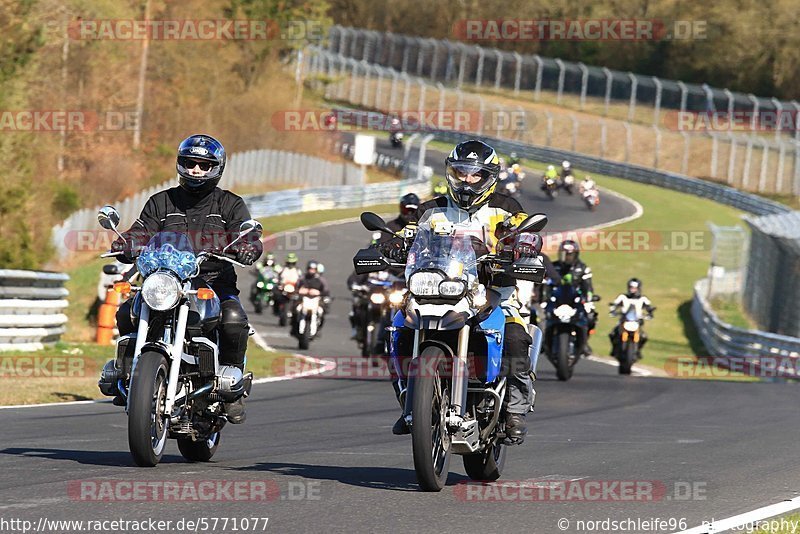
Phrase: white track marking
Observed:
(638, 371)
(743, 519)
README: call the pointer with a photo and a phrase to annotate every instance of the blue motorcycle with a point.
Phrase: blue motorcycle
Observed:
(446, 344)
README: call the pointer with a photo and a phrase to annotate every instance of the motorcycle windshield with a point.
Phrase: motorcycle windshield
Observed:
(170, 251)
(443, 242)
(631, 314)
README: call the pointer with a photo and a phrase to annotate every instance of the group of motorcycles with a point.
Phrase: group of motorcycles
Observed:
(553, 182)
(568, 318)
(302, 308)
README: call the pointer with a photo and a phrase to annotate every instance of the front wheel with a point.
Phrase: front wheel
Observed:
(486, 465)
(199, 451)
(304, 337)
(429, 438)
(147, 424)
(283, 319)
(563, 368)
(258, 306)
(628, 357)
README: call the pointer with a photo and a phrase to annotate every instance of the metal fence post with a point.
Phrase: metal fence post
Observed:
(685, 160)
(434, 60)
(584, 83)
(537, 91)
(406, 53)
(365, 84)
(748, 154)
(479, 69)
(379, 87)
(518, 73)
(353, 68)
(602, 138)
(422, 88)
(714, 154)
(423, 146)
(779, 176)
(574, 132)
(440, 87)
(796, 106)
(762, 175)
(561, 73)
(632, 103)
(778, 117)
(729, 96)
(480, 113)
(498, 70)
(420, 55)
(657, 108)
(407, 150)
(462, 64)
(684, 95)
(609, 83)
(395, 77)
(628, 140)
(731, 157)
(549, 128)
(658, 146)
(709, 97)
(406, 91)
(754, 100)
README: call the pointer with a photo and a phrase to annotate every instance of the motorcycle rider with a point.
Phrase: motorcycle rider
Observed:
(210, 216)
(566, 169)
(289, 275)
(574, 271)
(409, 204)
(634, 297)
(312, 279)
(472, 170)
(587, 184)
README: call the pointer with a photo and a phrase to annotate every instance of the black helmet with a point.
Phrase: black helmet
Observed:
(568, 252)
(312, 264)
(408, 205)
(476, 159)
(634, 288)
(207, 153)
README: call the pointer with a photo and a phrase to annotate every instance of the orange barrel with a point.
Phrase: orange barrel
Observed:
(106, 318)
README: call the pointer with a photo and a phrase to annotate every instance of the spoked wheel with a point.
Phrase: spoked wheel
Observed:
(199, 451)
(147, 424)
(486, 465)
(429, 437)
(628, 357)
(563, 368)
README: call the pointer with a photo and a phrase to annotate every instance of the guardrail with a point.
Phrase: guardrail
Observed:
(724, 341)
(324, 198)
(31, 308)
(244, 169)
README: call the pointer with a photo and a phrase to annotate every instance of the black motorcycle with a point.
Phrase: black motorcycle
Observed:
(566, 330)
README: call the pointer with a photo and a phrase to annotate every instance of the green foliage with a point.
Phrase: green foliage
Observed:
(65, 200)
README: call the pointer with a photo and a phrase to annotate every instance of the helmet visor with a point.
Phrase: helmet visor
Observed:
(471, 176)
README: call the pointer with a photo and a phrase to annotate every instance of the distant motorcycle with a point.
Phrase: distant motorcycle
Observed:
(566, 330)
(591, 197)
(261, 294)
(550, 187)
(378, 300)
(307, 317)
(626, 337)
(568, 183)
(283, 303)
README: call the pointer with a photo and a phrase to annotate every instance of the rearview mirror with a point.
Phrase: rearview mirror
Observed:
(595, 298)
(534, 223)
(373, 222)
(108, 217)
(111, 268)
(250, 226)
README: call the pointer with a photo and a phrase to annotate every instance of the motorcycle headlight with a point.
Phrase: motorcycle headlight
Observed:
(161, 291)
(259, 285)
(396, 298)
(631, 326)
(289, 288)
(452, 288)
(425, 284)
(565, 312)
(377, 298)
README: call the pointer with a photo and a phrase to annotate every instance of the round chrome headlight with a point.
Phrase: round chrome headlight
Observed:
(161, 291)
(377, 298)
(396, 297)
(425, 284)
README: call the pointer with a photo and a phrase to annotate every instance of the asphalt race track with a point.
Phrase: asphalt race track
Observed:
(696, 450)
